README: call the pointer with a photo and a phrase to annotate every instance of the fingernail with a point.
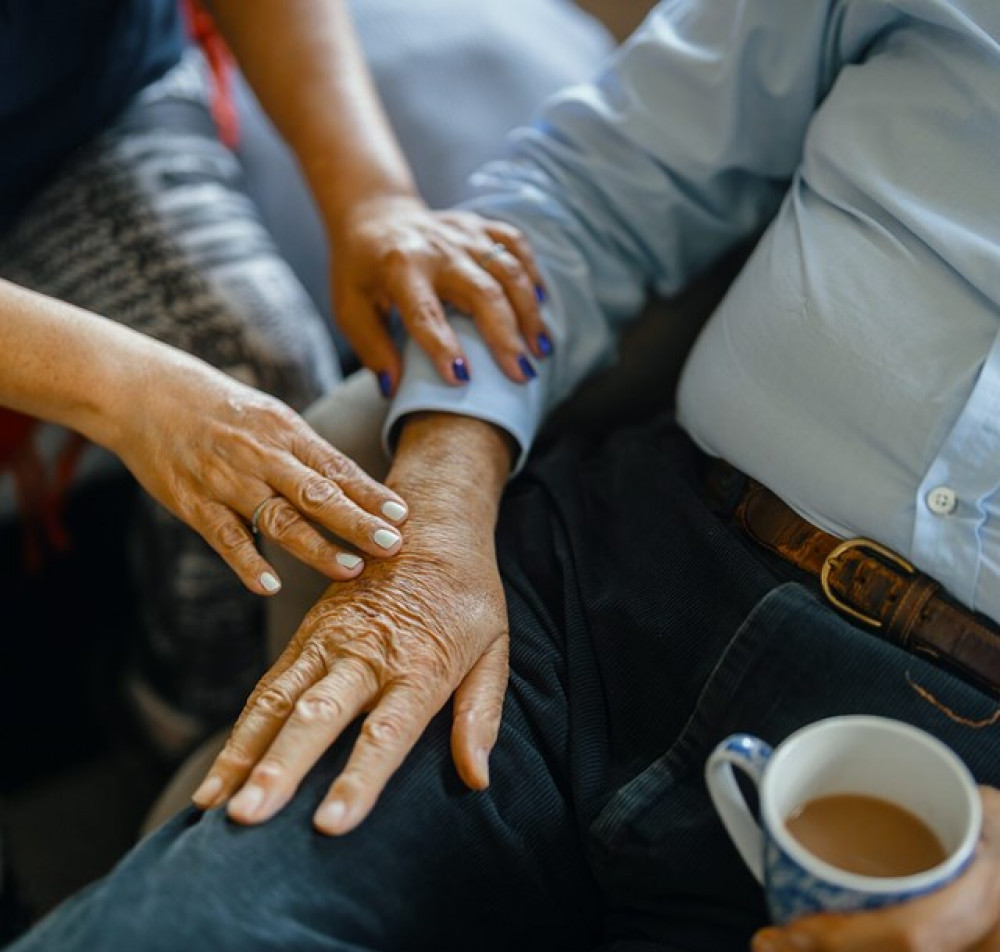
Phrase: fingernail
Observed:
(460, 369)
(394, 511)
(544, 344)
(384, 383)
(210, 788)
(540, 294)
(269, 582)
(385, 538)
(526, 367)
(347, 560)
(247, 803)
(331, 815)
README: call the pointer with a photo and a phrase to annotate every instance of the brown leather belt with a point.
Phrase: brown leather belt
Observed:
(876, 587)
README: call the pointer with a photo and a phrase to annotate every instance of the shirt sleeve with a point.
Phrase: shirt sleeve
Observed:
(639, 182)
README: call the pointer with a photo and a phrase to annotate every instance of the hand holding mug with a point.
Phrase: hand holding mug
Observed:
(853, 765)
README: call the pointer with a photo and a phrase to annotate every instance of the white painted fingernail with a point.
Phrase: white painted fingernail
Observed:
(394, 511)
(269, 582)
(347, 560)
(385, 538)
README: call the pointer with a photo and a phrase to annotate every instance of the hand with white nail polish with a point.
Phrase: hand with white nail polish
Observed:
(393, 645)
(232, 461)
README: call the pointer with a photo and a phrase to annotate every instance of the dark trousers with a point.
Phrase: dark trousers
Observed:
(644, 630)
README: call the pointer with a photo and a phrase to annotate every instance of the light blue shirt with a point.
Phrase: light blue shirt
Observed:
(854, 366)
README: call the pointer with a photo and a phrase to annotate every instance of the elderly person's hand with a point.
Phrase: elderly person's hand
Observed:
(393, 252)
(962, 917)
(394, 644)
(221, 455)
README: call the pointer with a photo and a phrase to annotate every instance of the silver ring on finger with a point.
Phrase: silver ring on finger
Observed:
(496, 251)
(254, 527)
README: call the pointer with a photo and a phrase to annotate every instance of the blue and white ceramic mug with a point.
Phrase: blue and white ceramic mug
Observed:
(871, 756)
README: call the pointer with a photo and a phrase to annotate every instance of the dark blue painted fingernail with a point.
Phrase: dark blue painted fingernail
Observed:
(526, 367)
(460, 370)
(540, 294)
(545, 344)
(385, 383)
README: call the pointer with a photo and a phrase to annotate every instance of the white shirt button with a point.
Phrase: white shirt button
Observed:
(942, 500)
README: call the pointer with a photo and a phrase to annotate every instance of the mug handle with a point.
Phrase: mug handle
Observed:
(749, 754)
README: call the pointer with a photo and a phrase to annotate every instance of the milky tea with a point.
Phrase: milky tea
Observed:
(865, 835)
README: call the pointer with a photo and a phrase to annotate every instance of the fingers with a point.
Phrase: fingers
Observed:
(515, 242)
(268, 708)
(368, 493)
(313, 497)
(478, 708)
(387, 735)
(519, 276)
(225, 532)
(424, 318)
(488, 289)
(279, 520)
(317, 719)
(961, 917)
(363, 326)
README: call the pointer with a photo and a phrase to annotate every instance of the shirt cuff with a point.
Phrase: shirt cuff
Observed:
(491, 396)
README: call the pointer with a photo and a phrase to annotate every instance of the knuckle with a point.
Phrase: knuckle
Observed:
(234, 758)
(383, 729)
(317, 491)
(319, 707)
(268, 772)
(392, 258)
(230, 535)
(424, 316)
(274, 702)
(278, 519)
(336, 467)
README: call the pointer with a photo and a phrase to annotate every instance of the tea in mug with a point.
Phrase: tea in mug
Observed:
(865, 835)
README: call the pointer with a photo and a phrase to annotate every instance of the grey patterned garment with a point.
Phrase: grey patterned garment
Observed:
(149, 226)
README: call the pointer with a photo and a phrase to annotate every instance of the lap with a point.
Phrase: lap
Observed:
(597, 827)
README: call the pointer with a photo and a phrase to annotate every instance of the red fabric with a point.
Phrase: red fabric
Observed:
(40, 498)
(15, 431)
(220, 61)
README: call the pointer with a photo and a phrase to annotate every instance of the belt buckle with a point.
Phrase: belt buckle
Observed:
(867, 547)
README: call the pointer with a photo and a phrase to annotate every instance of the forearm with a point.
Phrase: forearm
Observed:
(305, 64)
(452, 467)
(66, 365)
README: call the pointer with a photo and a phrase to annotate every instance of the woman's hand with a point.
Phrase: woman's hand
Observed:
(394, 253)
(962, 917)
(221, 455)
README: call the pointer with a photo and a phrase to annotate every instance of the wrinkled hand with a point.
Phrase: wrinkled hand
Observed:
(214, 452)
(962, 917)
(395, 644)
(395, 253)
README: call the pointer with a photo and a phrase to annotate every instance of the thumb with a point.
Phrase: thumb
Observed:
(477, 710)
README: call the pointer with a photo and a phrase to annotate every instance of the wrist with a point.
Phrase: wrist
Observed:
(447, 464)
(343, 211)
